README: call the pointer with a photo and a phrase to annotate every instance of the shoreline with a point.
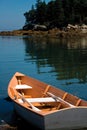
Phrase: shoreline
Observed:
(7, 127)
(53, 33)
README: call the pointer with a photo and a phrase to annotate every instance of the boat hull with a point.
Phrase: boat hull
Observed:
(74, 118)
(67, 119)
(31, 117)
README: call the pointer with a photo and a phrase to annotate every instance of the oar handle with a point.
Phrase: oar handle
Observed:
(58, 98)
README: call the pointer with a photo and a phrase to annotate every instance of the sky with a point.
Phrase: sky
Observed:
(12, 13)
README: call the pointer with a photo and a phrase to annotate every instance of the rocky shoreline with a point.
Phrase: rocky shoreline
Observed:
(53, 33)
(7, 127)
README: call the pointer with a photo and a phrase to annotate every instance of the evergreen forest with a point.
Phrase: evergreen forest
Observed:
(57, 13)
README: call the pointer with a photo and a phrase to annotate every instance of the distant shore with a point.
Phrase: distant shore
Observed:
(53, 33)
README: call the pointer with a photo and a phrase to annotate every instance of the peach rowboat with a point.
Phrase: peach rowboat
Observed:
(46, 106)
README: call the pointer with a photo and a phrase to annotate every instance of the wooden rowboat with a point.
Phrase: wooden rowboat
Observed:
(46, 106)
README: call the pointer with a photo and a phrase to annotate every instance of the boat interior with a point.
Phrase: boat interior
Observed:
(40, 96)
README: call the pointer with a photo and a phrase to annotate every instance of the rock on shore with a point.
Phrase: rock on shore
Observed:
(7, 127)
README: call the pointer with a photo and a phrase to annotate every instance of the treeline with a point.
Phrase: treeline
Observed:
(57, 13)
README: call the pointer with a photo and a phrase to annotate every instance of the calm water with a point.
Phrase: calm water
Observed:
(59, 62)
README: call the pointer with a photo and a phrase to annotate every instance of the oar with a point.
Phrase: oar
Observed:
(29, 103)
(59, 99)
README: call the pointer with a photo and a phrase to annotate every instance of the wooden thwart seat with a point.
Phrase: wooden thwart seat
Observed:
(39, 100)
(23, 86)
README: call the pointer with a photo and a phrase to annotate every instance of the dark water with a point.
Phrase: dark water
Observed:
(59, 62)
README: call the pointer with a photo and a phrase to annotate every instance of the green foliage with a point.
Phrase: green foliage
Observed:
(58, 13)
(40, 12)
